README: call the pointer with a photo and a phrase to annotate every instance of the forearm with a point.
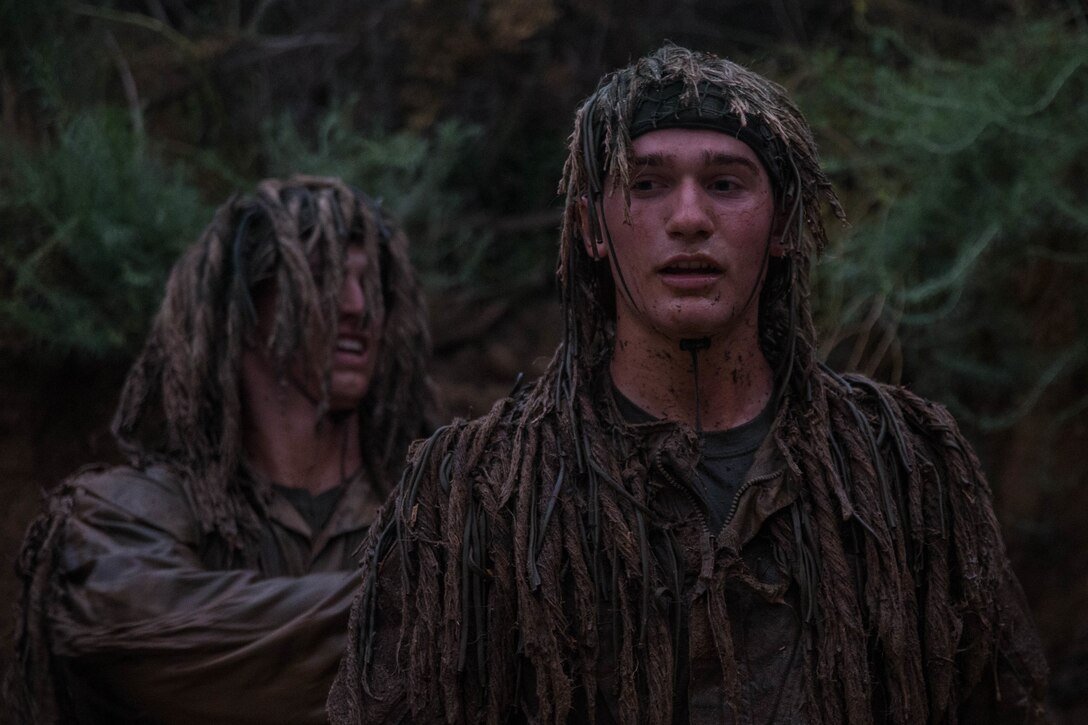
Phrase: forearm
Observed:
(142, 621)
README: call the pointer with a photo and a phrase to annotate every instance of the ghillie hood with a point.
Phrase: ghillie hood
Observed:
(181, 403)
(676, 87)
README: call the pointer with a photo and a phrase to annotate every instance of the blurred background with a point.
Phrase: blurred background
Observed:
(955, 132)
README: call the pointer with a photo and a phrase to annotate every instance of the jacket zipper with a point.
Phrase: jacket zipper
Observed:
(744, 487)
(697, 505)
(708, 541)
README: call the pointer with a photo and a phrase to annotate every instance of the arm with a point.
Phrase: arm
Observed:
(400, 663)
(1001, 657)
(366, 684)
(1012, 688)
(147, 627)
(1000, 670)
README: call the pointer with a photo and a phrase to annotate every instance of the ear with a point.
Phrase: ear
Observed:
(594, 245)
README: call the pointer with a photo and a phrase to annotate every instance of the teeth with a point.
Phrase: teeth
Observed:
(691, 265)
(350, 345)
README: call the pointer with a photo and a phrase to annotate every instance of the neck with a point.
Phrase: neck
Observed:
(284, 442)
(734, 381)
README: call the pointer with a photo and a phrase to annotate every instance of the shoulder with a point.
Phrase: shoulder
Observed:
(95, 510)
(155, 496)
(464, 460)
(893, 421)
(468, 443)
(882, 404)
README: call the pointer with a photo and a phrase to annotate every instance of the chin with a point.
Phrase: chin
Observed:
(691, 326)
(348, 387)
(704, 323)
(339, 411)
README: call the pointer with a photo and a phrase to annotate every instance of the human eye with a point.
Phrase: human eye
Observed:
(724, 184)
(645, 185)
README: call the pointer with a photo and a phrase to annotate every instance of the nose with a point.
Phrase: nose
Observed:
(352, 299)
(689, 216)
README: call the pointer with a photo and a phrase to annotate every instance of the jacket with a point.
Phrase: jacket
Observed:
(502, 584)
(132, 613)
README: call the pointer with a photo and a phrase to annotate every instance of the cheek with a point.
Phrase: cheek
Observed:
(749, 228)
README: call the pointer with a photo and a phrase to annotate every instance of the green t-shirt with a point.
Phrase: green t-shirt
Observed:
(726, 457)
(315, 510)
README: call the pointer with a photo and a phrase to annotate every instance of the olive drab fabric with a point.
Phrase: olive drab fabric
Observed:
(132, 614)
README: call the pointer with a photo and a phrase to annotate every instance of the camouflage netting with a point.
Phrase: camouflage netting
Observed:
(510, 534)
(726, 96)
(181, 404)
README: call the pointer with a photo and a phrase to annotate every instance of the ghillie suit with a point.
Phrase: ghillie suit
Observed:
(210, 556)
(181, 403)
(549, 561)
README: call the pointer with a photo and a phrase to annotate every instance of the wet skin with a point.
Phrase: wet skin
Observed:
(281, 440)
(693, 253)
(359, 336)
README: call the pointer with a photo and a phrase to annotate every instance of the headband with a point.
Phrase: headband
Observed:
(675, 106)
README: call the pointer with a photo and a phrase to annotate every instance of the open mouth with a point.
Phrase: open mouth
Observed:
(696, 267)
(690, 275)
(351, 345)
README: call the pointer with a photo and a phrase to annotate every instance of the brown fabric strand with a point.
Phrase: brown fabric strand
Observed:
(571, 568)
(554, 613)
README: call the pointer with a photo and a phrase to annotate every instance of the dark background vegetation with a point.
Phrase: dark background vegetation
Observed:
(955, 131)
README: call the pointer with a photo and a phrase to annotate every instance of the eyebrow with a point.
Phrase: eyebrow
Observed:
(649, 160)
(719, 159)
(710, 158)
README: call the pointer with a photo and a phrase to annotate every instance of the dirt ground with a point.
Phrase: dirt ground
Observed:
(53, 420)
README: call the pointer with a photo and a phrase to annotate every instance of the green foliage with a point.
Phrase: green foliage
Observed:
(92, 225)
(94, 221)
(427, 181)
(23, 25)
(55, 60)
(967, 183)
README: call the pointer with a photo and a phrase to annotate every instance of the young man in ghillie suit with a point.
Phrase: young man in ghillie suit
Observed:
(266, 418)
(688, 518)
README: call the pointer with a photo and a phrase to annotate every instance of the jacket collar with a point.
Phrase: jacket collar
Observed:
(766, 489)
(355, 510)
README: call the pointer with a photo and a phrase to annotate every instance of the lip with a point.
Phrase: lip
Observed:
(689, 271)
(352, 349)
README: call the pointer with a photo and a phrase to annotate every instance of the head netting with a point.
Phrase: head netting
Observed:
(675, 87)
(181, 403)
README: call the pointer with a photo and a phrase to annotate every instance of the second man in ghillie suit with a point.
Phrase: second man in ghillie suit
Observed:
(265, 421)
(688, 518)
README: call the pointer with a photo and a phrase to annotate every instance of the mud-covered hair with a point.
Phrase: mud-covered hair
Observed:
(679, 88)
(181, 402)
